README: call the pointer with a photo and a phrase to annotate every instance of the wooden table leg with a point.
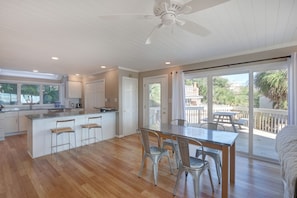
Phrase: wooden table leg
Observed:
(232, 163)
(225, 171)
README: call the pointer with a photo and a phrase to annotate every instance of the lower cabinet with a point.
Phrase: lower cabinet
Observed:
(1, 127)
(108, 125)
(11, 123)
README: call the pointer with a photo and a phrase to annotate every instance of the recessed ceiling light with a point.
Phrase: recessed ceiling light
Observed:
(77, 74)
(35, 70)
(55, 58)
(103, 66)
(167, 63)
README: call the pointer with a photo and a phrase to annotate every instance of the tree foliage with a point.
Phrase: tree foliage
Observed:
(8, 88)
(273, 85)
(50, 94)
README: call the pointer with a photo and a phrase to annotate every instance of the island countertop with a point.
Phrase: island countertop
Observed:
(64, 114)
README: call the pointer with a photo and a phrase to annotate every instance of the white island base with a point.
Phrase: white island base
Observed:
(39, 134)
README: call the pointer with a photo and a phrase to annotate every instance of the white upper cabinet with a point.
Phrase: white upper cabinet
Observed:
(74, 89)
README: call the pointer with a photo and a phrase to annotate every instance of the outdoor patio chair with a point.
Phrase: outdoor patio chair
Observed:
(155, 153)
(192, 165)
(213, 153)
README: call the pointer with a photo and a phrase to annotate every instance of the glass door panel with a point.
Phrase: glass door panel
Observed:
(270, 110)
(155, 100)
(196, 100)
(230, 104)
(154, 107)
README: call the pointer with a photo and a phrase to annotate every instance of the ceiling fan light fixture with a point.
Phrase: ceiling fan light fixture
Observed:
(168, 18)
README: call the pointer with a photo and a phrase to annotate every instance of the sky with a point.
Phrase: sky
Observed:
(237, 78)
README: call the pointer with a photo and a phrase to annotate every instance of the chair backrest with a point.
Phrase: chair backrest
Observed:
(65, 123)
(95, 119)
(183, 145)
(212, 126)
(179, 122)
(145, 140)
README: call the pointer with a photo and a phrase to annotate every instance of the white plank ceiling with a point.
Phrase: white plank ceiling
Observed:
(32, 31)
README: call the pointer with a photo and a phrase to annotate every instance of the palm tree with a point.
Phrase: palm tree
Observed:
(273, 85)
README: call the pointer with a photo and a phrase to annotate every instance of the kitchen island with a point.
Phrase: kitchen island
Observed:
(39, 125)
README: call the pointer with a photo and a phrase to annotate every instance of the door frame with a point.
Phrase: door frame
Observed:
(163, 80)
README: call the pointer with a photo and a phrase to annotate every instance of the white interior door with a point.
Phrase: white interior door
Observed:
(94, 95)
(129, 105)
(155, 97)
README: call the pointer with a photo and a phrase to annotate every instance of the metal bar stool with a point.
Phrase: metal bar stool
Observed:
(63, 127)
(93, 123)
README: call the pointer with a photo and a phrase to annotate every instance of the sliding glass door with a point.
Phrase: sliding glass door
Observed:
(251, 101)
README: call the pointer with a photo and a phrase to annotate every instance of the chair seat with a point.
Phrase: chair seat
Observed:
(91, 125)
(157, 150)
(169, 142)
(197, 163)
(210, 150)
(62, 130)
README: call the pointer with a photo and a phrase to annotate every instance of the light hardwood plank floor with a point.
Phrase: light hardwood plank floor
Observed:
(110, 169)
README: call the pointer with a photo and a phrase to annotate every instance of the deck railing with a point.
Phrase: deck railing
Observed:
(269, 120)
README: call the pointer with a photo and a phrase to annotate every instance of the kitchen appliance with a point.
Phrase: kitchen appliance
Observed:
(78, 105)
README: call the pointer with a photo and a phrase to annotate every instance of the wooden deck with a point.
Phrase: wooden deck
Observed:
(263, 142)
(110, 168)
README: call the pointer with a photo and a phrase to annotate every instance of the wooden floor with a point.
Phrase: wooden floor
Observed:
(110, 168)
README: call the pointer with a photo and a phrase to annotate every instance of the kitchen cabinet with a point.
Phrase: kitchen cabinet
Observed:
(94, 95)
(1, 126)
(11, 122)
(73, 89)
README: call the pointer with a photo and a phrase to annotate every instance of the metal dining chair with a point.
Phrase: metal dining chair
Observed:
(213, 153)
(192, 165)
(172, 144)
(155, 153)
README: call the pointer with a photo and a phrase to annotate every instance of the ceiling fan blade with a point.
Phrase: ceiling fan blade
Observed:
(180, 22)
(194, 28)
(197, 5)
(127, 16)
(148, 40)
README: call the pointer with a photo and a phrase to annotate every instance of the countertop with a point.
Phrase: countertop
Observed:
(64, 114)
(34, 109)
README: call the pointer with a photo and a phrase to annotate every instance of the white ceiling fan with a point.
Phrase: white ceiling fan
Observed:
(170, 10)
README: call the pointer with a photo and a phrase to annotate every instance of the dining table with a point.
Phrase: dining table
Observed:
(221, 140)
